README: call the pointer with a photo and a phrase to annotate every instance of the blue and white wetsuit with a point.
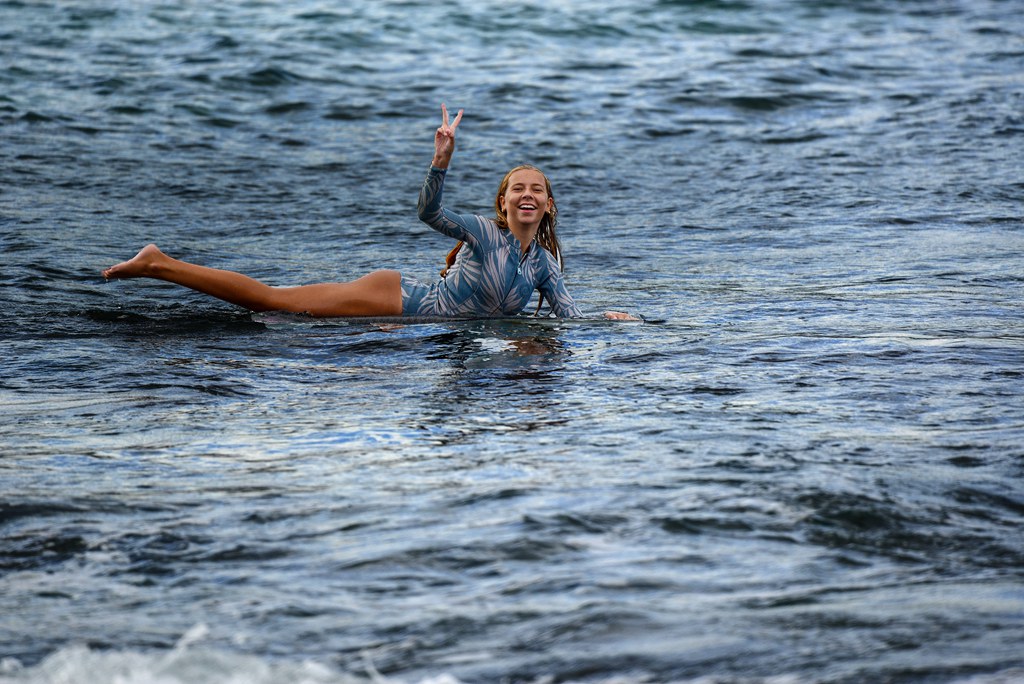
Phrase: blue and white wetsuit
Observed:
(491, 276)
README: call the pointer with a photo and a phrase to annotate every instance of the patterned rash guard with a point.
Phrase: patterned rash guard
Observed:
(491, 276)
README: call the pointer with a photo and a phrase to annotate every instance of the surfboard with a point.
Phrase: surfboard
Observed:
(280, 318)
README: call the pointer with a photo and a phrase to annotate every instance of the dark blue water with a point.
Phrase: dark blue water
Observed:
(810, 472)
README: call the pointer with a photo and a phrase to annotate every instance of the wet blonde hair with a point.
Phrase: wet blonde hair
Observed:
(546, 235)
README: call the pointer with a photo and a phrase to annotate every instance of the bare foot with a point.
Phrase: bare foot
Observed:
(141, 265)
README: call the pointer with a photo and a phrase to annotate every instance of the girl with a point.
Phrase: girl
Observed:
(493, 271)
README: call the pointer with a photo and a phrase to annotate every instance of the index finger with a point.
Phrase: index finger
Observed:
(458, 118)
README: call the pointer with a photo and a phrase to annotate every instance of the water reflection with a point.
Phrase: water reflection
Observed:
(494, 377)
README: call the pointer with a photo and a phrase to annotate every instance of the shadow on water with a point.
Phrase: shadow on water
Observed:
(452, 379)
(291, 373)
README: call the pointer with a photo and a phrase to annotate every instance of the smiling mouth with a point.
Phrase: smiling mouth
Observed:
(528, 207)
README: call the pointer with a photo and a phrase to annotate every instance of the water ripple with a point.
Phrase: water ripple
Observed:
(808, 471)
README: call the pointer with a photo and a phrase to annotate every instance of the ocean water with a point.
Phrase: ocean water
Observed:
(810, 470)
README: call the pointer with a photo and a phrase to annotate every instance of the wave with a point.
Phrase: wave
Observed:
(187, 663)
(193, 662)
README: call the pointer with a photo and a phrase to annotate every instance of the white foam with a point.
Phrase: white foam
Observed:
(81, 665)
(187, 663)
(190, 662)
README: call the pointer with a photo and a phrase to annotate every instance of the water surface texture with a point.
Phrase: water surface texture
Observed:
(810, 472)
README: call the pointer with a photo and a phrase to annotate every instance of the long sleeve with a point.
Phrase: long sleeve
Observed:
(432, 211)
(554, 291)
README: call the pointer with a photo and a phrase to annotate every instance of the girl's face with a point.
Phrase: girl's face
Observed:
(526, 198)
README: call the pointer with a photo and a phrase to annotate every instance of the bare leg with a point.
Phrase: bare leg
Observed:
(376, 294)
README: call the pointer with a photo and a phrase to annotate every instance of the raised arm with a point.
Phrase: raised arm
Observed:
(430, 206)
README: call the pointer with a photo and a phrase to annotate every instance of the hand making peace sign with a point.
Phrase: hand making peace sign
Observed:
(444, 139)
